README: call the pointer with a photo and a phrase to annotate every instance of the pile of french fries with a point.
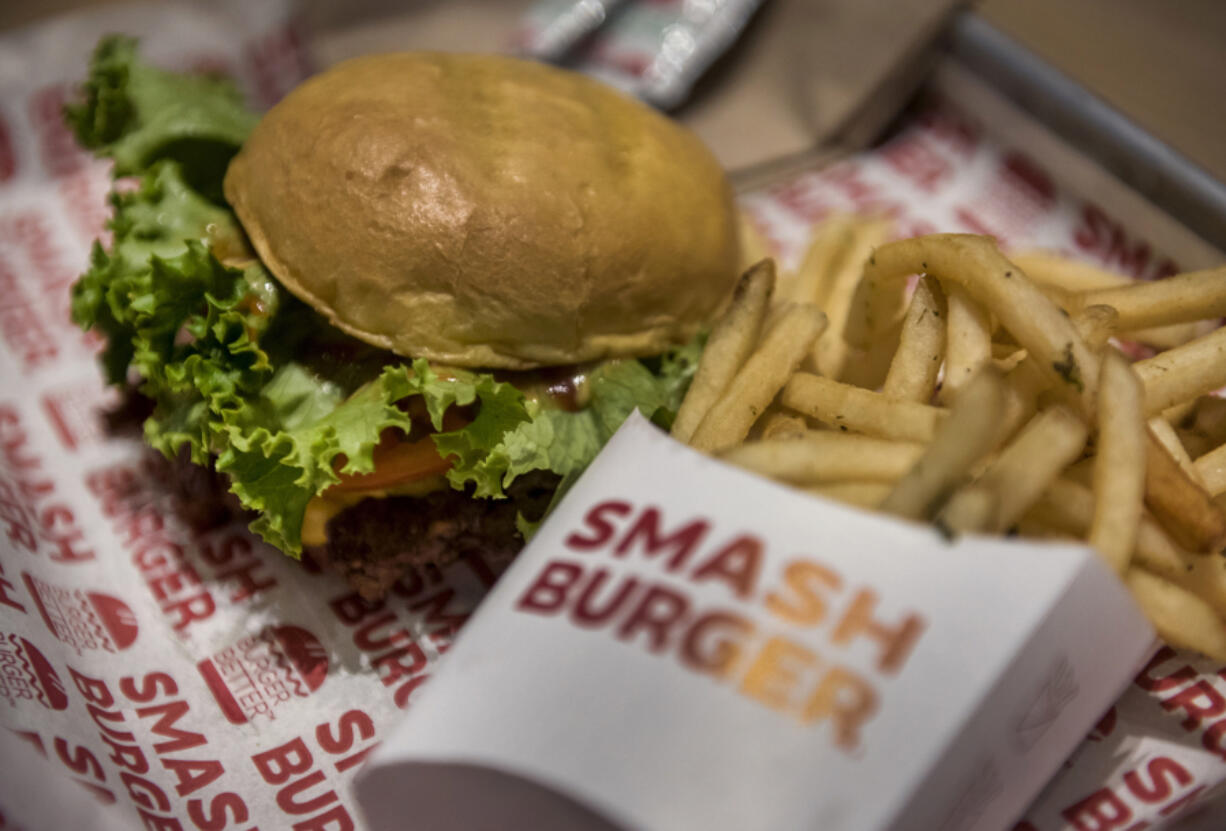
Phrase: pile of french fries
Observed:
(991, 396)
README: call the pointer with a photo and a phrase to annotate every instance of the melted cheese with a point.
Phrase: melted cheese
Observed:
(324, 507)
(564, 389)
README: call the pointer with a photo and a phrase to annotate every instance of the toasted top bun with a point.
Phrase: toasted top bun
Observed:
(486, 211)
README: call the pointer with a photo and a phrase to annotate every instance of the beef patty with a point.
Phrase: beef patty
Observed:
(375, 541)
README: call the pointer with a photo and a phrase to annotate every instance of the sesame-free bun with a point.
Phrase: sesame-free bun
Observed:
(486, 211)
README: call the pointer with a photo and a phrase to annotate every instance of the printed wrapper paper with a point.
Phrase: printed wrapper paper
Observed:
(687, 646)
(200, 680)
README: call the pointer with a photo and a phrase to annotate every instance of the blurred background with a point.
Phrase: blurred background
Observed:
(1162, 63)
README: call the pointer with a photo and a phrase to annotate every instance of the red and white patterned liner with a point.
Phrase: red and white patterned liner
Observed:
(205, 681)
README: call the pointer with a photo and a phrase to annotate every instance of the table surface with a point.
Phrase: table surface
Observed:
(1162, 62)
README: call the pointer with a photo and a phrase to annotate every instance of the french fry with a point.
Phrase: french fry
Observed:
(970, 433)
(1196, 444)
(760, 378)
(1036, 322)
(1194, 587)
(845, 407)
(1067, 505)
(968, 343)
(827, 244)
(1207, 425)
(1096, 324)
(970, 510)
(1192, 434)
(730, 344)
(1166, 434)
(1181, 618)
(859, 494)
(1167, 337)
(1212, 470)
(775, 313)
(777, 424)
(1050, 269)
(1119, 465)
(1024, 468)
(831, 351)
(823, 456)
(1081, 471)
(1026, 387)
(877, 308)
(868, 367)
(754, 246)
(1071, 507)
(1180, 413)
(1203, 576)
(1005, 356)
(921, 348)
(1184, 298)
(1024, 384)
(1067, 508)
(1210, 418)
(1183, 373)
(1184, 508)
(1033, 526)
(1002, 351)
(1074, 284)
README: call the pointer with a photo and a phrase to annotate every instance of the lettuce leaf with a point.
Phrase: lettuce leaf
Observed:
(246, 377)
(565, 442)
(277, 469)
(136, 114)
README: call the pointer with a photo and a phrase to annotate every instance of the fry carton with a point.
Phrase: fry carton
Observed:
(687, 646)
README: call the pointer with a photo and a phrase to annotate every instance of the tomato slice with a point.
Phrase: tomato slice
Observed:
(398, 462)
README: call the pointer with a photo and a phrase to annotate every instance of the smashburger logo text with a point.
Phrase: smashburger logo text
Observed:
(736, 643)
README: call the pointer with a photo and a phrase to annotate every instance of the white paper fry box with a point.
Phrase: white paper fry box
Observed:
(688, 646)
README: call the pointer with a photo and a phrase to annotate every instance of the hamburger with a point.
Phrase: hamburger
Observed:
(404, 309)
